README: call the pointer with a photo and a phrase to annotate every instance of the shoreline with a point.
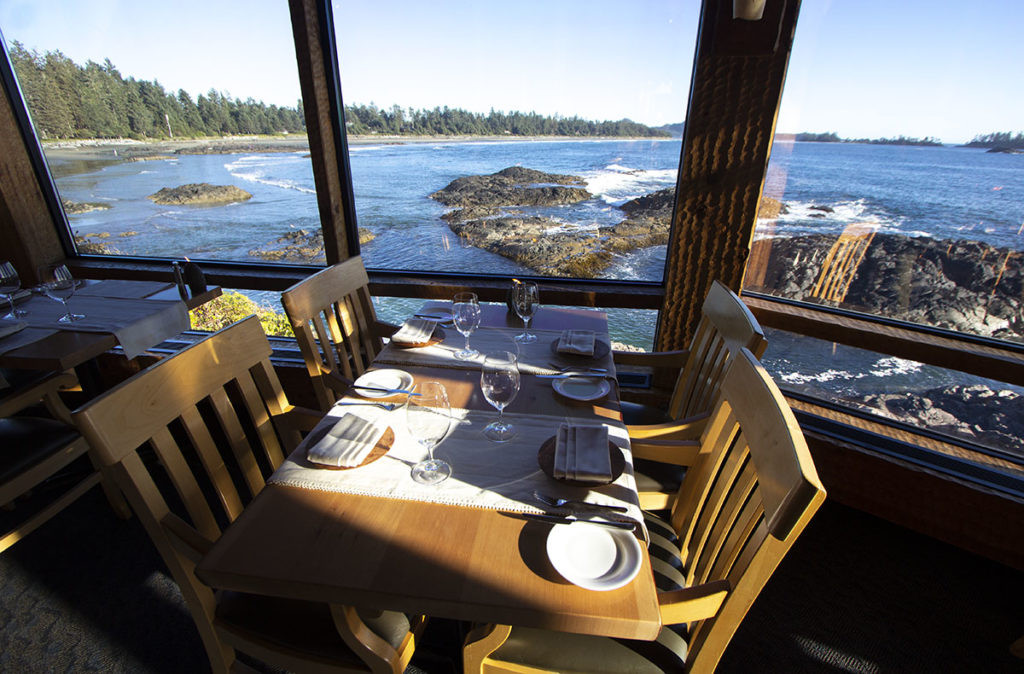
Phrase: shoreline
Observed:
(127, 149)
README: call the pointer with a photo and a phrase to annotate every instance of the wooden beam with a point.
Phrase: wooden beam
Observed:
(735, 92)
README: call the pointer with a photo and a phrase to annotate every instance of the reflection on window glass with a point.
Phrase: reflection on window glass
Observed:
(163, 150)
(526, 138)
(896, 186)
(964, 407)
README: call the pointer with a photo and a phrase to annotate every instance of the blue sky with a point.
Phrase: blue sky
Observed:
(860, 68)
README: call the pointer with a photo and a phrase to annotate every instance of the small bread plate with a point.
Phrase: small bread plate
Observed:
(546, 461)
(601, 349)
(594, 557)
(584, 389)
(387, 380)
(440, 316)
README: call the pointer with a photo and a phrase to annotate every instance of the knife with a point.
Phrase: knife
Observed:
(378, 389)
(562, 519)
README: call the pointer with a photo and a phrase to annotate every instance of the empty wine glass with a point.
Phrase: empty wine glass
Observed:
(466, 315)
(10, 284)
(525, 299)
(428, 417)
(58, 284)
(499, 381)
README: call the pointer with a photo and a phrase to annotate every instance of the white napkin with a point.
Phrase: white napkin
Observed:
(11, 327)
(414, 331)
(348, 443)
(577, 342)
(581, 453)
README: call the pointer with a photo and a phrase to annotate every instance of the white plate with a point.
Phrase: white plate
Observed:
(441, 316)
(389, 379)
(582, 388)
(592, 556)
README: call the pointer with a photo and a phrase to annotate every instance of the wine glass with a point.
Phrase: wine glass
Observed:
(9, 284)
(499, 381)
(525, 298)
(466, 314)
(58, 284)
(428, 417)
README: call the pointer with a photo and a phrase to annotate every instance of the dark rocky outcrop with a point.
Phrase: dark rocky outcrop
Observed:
(302, 246)
(200, 194)
(514, 186)
(992, 418)
(966, 286)
(79, 207)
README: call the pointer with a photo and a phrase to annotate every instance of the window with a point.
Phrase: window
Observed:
(561, 122)
(896, 189)
(159, 150)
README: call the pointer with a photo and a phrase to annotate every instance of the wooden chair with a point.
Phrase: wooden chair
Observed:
(663, 440)
(749, 494)
(336, 327)
(189, 440)
(33, 448)
(842, 261)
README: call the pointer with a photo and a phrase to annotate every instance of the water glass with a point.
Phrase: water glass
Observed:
(499, 381)
(10, 283)
(58, 284)
(466, 315)
(526, 300)
(428, 417)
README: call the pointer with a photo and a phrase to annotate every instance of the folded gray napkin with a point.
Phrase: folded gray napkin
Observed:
(11, 327)
(348, 443)
(581, 454)
(414, 331)
(577, 342)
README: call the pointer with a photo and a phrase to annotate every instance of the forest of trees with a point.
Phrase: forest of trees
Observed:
(71, 101)
(1003, 139)
(95, 101)
(832, 137)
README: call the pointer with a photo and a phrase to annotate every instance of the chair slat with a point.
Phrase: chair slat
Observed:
(237, 441)
(184, 481)
(260, 417)
(715, 504)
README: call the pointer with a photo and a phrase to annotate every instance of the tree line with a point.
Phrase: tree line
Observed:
(998, 139)
(369, 119)
(95, 101)
(833, 137)
(67, 100)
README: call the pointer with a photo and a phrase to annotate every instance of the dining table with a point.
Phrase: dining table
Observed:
(132, 315)
(479, 546)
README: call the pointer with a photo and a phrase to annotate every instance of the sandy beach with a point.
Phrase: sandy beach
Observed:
(128, 149)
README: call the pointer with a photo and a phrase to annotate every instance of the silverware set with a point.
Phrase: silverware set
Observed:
(575, 506)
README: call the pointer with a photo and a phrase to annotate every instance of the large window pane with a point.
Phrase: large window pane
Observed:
(129, 117)
(574, 97)
(896, 189)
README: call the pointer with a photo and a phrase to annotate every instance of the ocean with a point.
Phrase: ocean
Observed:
(940, 192)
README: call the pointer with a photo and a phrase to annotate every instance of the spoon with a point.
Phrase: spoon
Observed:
(560, 502)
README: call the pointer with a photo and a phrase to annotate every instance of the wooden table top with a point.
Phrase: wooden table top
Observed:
(446, 561)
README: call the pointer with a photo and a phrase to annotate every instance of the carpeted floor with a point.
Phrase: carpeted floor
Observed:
(88, 593)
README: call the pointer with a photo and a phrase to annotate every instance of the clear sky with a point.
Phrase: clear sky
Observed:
(861, 68)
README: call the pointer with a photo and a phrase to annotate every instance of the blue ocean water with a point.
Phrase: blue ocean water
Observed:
(941, 192)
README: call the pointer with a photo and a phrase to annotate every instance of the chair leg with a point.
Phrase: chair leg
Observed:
(114, 496)
(480, 643)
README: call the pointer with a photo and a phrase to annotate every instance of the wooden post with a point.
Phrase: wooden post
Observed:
(734, 100)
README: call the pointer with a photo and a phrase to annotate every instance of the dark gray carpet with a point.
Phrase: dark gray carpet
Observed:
(87, 593)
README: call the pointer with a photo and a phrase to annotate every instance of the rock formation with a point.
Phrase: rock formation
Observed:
(199, 194)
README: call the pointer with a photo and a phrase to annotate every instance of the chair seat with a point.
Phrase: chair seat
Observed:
(27, 441)
(654, 476)
(636, 414)
(304, 627)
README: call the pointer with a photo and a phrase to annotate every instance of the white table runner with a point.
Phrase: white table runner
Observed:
(485, 474)
(536, 358)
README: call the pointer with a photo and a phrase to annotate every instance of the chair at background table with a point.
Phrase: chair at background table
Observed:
(335, 326)
(662, 440)
(204, 427)
(750, 493)
(34, 448)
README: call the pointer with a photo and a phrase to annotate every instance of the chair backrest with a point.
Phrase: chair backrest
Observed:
(333, 318)
(842, 261)
(725, 327)
(745, 501)
(189, 441)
